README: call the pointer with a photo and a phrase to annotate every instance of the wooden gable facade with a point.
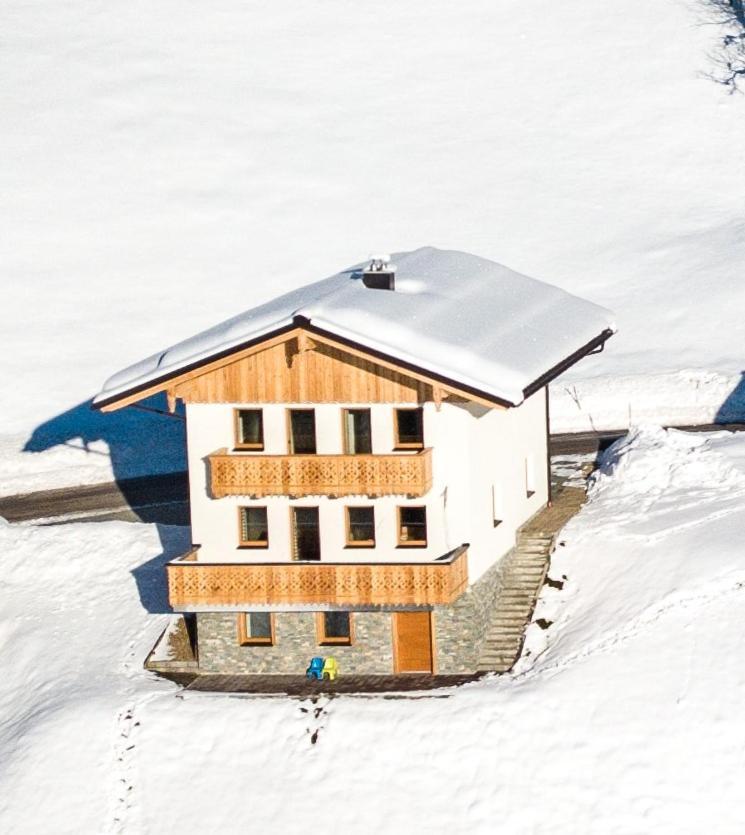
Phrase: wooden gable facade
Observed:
(293, 372)
(301, 367)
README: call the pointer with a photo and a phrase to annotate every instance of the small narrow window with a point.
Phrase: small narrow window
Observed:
(497, 510)
(412, 527)
(409, 428)
(254, 530)
(530, 476)
(334, 628)
(360, 527)
(302, 432)
(256, 628)
(357, 432)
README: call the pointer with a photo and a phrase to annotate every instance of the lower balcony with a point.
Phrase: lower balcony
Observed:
(407, 474)
(194, 585)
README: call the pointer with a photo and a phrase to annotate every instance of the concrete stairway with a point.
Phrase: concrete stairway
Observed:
(524, 575)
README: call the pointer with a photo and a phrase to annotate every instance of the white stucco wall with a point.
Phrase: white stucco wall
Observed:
(473, 448)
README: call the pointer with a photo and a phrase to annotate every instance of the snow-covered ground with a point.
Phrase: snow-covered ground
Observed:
(625, 716)
(165, 166)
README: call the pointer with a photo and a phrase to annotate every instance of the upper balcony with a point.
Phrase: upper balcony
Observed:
(320, 475)
(195, 585)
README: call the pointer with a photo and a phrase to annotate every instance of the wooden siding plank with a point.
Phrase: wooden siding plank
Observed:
(278, 371)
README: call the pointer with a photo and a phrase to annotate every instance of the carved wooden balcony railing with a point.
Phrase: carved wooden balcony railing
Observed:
(195, 585)
(320, 475)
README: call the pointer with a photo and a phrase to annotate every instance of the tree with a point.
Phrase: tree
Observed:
(730, 55)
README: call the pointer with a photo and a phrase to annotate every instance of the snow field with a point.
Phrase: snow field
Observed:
(164, 169)
(624, 716)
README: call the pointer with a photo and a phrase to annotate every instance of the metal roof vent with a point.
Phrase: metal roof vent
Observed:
(380, 274)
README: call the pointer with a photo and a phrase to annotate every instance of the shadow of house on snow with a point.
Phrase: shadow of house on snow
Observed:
(150, 577)
(732, 409)
(139, 442)
(147, 453)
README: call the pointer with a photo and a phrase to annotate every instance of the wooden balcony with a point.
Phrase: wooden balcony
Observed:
(408, 474)
(194, 585)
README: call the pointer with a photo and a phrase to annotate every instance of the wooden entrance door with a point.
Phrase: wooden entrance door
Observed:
(412, 642)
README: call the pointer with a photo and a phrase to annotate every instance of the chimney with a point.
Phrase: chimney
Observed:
(380, 274)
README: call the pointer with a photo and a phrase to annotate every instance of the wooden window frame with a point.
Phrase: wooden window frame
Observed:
(358, 543)
(245, 639)
(238, 443)
(397, 442)
(250, 544)
(345, 410)
(326, 641)
(411, 543)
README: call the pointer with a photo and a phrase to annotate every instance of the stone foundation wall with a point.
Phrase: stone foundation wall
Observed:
(460, 628)
(295, 643)
(459, 632)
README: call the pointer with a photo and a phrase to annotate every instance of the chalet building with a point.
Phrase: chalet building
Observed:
(362, 452)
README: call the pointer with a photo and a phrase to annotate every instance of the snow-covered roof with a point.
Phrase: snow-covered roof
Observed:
(452, 314)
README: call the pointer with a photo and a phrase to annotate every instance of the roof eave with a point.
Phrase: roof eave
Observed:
(101, 402)
(595, 345)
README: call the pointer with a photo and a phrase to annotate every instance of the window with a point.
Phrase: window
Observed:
(412, 527)
(249, 429)
(530, 476)
(360, 527)
(357, 432)
(306, 533)
(256, 628)
(409, 429)
(497, 505)
(254, 531)
(334, 627)
(302, 432)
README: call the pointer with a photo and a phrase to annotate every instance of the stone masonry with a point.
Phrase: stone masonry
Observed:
(295, 643)
(460, 628)
(459, 632)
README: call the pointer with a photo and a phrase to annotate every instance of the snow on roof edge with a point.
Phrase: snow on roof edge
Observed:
(450, 334)
(145, 380)
(513, 396)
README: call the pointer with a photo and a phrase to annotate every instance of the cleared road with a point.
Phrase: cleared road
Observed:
(158, 498)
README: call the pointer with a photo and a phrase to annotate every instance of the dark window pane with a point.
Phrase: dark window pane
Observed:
(409, 427)
(251, 427)
(361, 524)
(413, 524)
(357, 431)
(303, 431)
(259, 624)
(336, 624)
(307, 533)
(254, 525)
